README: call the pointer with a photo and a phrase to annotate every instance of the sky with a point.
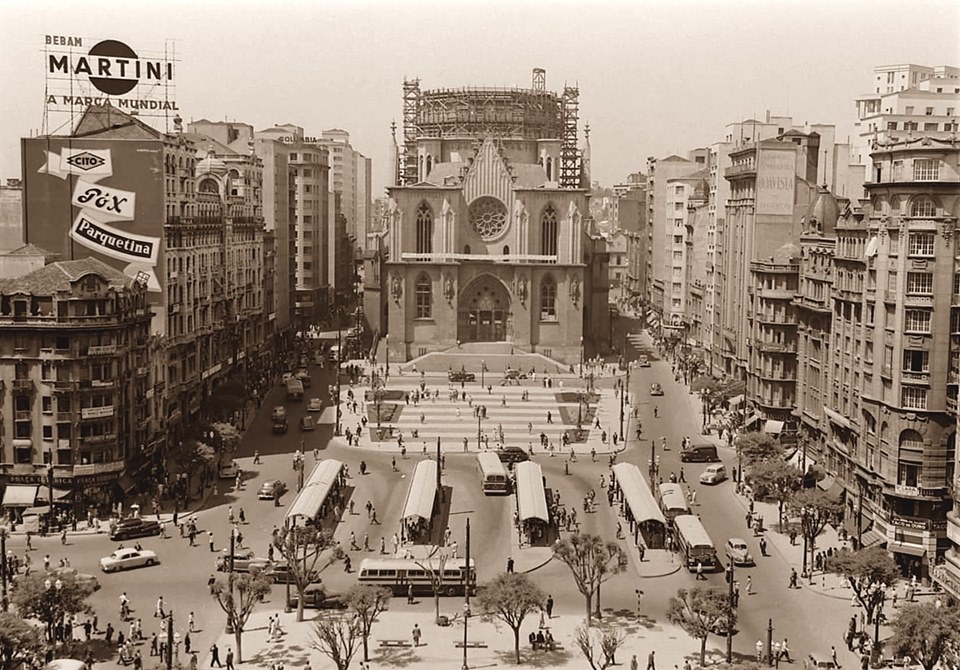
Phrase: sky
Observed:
(656, 77)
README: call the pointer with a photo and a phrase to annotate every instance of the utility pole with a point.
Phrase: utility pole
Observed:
(170, 640)
(730, 606)
(770, 642)
(439, 467)
(466, 597)
(336, 427)
(4, 566)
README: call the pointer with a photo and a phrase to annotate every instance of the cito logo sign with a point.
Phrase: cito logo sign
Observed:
(85, 161)
(110, 65)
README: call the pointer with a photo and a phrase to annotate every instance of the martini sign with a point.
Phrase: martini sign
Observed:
(81, 72)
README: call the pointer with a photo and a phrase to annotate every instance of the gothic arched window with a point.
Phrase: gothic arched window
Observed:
(549, 230)
(424, 229)
(424, 294)
(548, 299)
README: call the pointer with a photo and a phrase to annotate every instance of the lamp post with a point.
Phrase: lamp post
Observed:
(170, 638)
(466, 619)
(581, 356)
(805, 520)
(4, 566)
(770, 642)
(386, 374)
(730, 606)
(483, 369)
(336, 427)
(479, 419)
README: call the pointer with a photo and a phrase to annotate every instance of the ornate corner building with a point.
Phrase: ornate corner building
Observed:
(488, 236)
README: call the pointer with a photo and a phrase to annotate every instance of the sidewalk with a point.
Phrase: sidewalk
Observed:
(439, 650)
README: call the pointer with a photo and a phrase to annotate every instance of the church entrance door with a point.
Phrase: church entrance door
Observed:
(483, 312)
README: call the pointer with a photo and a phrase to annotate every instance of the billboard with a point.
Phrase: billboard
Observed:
(82, 71)
(776, 177)
(99, 198)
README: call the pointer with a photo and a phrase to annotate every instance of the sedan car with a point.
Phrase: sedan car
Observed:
(714, 474)
(229, 470)
(135, 527)
(512, 455)
(279, 413)
(314, 405)
(461, 376)
(281, 573)
(82, 578)
(656, 389)
(512, 373)
(270, 489)
(819, 662)
(738, 552)
(125, 559)
(307, 423)
(644, 362)
(317, 597)
(244, 560)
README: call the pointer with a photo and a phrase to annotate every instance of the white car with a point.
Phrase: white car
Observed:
(738, 552)
(315, 405)
(125, 559)
(714, 474)
(229, 470)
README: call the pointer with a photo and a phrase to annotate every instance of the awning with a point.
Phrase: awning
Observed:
(422, 492)
(310, 499)
(531, 498)
(909, 549)
(126, 482)
(797, 459)
(58, 494)
(837, 418)
(872, 537)
(37, 511)
(753, 419)
(735, 401)
(653, 318)
(637, 493)
(772, 426)
(831, 487)
(872, 247)
(19, 495)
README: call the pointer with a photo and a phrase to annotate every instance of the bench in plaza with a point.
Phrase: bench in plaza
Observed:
(395, 643)
(470, 645)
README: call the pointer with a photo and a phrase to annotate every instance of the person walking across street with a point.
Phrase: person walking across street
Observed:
(634, 663)
(210, 540)
(651, 665)
(229, 658)
(410, 600)
(749, 585)
(215, 656)
(510, 564)
(416, 635)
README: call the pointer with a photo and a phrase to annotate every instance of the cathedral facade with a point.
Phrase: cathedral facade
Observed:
(484, 244)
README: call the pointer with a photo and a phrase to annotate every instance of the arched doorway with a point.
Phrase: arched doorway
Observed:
(483, 311)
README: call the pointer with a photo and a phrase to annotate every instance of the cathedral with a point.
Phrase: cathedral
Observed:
(487, 233)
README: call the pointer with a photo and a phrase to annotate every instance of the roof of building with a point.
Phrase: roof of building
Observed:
(528, 175)
(786, 254)
(108, 120)
(30, 250)
(441, 172)
(821, 216)
(57, 277)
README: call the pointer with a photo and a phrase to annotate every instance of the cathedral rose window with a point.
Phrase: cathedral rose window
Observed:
(488, 216)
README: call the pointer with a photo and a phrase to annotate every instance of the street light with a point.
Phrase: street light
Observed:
(730, 606)
(479, 419)
(387, 372)
(581, 356)
(3, 568)
(466, 618)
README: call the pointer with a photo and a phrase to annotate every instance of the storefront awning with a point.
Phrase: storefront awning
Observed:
(37, 511)
(774, 427)
(753, 419)
(735, 401)
(872, 537)
(19, 495)
(58, 494)
(797, 460)
(909, 549)
(831, 487)
(126, 482)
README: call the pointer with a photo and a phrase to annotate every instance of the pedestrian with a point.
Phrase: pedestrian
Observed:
(374, 521)
(383, 545)
(63, 536)
(510, 564)
(410, 600)
(243, 517)
(366, 541)
(210, 540)
(256, 457)
(749, 585)
(785, 651)
(700, 571)
(211, 583)
(108, 635)
(833, 656)
(154, 645)
(651, 665)
(137, 661)
(346, 564)
(186, 643)
(763, 546)
(416, 635)
(159, 611)
(682, 478)
(191, 623)
(229, 658)
(634, 663)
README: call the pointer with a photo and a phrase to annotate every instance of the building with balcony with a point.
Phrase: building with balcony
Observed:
(632, 220)
(77, 406)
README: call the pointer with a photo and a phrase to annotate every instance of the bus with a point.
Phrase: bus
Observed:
(673, 502)
(493, 476)
(398, 574)
(694, 542)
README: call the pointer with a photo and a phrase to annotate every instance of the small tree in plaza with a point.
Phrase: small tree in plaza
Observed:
(237, 595)
(755, 448)
(815, 509)
(49, 598)
(869, 572)
(435, 572)
(609, 639)
(775, 480)
(592, 561)
(367, 602)
(510, 597)
(928, 634)
(699, 611)
(20, 642)
(338, 637)
(301, 547)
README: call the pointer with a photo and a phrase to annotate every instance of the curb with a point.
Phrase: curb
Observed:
(662, 574)
(537, 567)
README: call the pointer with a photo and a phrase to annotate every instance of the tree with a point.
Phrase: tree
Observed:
(775, 480)
(700, 611)
(193, 455)
(337, 636)
(592, 562)
(367, 602)
(757, 447)
(926, 633)
(710, 390)
(816, 509)
(434, 566)
(301, 547)
(49, 598)
(237, 595)
(19, 641)
(510, 597)
(609, 639)
(868, 571)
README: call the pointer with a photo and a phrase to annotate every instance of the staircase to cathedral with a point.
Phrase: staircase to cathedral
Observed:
(498, 356)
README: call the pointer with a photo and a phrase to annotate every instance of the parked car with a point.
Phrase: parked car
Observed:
(127, 559)
(285, 377)
(244, 560)
(81, 577)
(279, 426)
(280, 573)
(714, 474)
(738, 552)
(270, 489)
(279, 412)
(513, 373)
(229, 470)
(317, 597)
(130, 528)
(511, 455)
(315, 405)
(461, 376)
(644, 362)
(308, 423)
(819, 662)
(656, 389)
(304, 378)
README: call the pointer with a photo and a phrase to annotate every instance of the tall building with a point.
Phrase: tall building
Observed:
(76, 354)
(178, 218)
(11, 215)
(906, 100)
(488, 231)
(631, 207)
(685, 197)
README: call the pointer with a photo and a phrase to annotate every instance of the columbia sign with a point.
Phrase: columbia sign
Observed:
(111, 66)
